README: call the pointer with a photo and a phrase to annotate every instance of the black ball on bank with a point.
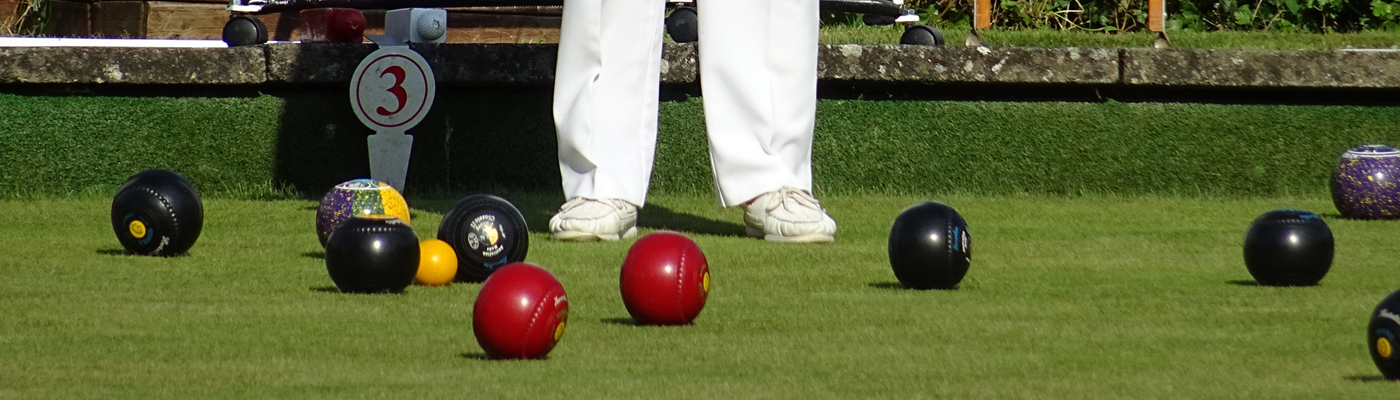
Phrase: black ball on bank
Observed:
(372, 254)
(1382, 335)
(1288, 247)
(157, 212)
(487, 232)
(930, 247)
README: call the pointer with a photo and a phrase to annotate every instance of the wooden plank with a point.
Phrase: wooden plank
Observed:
(186, 20)
(280, 26)
(219, 2)
(10, 11)
(515, 10)
(169, 20)
(469, 27)
(69, 19)
(497, 28)
(1156, 15)
(179, 20)
(119, 19)
(983, 13)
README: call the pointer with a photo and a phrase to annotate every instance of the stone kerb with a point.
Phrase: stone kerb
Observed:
(82, 65)
(1262, 68)
(490, 64)
(896, 63)
(533, 64)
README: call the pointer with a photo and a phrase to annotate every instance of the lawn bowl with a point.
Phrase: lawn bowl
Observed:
(358, 197)
(487, 232)
(665, 279)
(157, 212)
(1367, 183)
(930, 247)
(372, 254)
(520, 312)
(1383, 336)
(345, 25)
(1288, 247)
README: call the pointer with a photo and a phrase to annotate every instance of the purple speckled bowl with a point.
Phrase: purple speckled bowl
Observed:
(1367, 183)
(357, 197)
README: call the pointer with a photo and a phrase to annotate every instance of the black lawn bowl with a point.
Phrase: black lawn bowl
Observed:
(487, 232)
(244, 30)
(1381, 336)
(157, 212)
(372, 254)
(930, 247)
(1288, 247)
(922, 35)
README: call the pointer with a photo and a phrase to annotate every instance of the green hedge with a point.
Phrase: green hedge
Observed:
(1194, 15)
(1110, 147)
(302, 143)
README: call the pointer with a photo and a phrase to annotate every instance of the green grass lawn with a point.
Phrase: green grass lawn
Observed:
(1068, 297)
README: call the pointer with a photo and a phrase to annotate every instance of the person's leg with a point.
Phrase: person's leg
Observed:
(758, 68)
(605, 110)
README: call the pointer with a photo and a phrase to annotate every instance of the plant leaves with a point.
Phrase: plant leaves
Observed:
(1381, 9)
(1243, 17)
(1293, 6)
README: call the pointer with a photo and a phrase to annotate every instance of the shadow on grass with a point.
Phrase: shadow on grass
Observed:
(658, 217)
(1247, 282)
(536, 208)
(333, 289)
(1346, 218)
(121, 252)
(887, 285)
(483, 356)
(900, 286)
(319, 255)
(633, 322)
(1366, 378)
(539, 208)
(619, 321)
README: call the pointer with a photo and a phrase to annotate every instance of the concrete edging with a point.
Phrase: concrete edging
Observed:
(533, 64)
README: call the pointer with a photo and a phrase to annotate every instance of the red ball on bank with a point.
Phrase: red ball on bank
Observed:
(665, 279)
(520, 312)
(345, 25)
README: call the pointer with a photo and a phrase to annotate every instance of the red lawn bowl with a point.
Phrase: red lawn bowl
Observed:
(336, 25)
(665, 280)
(520, 312)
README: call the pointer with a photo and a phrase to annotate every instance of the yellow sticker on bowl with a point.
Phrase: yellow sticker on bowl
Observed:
(138, 229)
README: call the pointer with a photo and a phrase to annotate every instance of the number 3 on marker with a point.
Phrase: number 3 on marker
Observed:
(391, 90)
(399, 93)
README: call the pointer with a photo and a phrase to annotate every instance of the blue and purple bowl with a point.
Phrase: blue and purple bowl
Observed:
(1367, 183)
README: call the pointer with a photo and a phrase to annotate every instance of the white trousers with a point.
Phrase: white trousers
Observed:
(758, 67)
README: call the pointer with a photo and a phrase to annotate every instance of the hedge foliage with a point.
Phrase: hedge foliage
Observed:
(303, 143)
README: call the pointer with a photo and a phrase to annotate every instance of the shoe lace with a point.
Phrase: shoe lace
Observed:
(795, 200)
(577, 202)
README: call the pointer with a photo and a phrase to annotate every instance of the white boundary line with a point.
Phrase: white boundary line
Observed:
(86, 42)
(131, 43)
